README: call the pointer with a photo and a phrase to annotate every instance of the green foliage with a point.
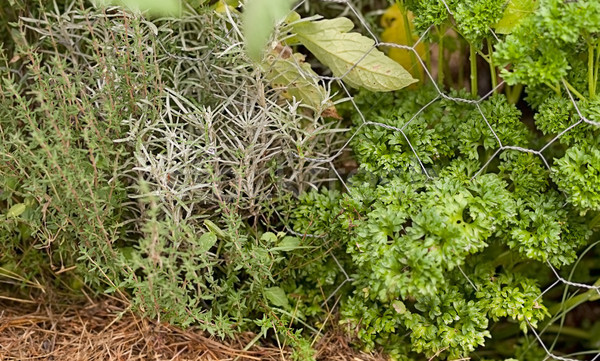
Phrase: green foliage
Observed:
(514, 13)
(123, 166)
(578, 174)
(260, 17)
(220, 283)
(556, 114)
(442, 234)
(475, 18)
(59, 161)
(543, 46)
(433, 135)
(438, 259)
(303, 350)
(428, 13)
(156, 160)
(556, 59)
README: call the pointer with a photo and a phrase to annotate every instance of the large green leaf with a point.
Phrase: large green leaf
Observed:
(259, 18)
(288, 243)
(515, 12)
(351, 55)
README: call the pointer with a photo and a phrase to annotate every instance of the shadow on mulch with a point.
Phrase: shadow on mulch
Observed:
(104, 331)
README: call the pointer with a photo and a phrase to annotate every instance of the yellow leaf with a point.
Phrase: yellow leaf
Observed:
(394, 31)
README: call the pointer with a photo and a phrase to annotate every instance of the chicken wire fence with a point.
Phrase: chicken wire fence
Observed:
(347, 8)
(262, 119)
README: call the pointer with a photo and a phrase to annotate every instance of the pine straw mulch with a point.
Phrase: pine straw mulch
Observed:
(104, 330)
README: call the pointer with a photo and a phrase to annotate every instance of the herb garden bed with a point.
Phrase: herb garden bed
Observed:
(300, 180)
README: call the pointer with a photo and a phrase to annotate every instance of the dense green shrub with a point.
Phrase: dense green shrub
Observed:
(453, 215)
(441, 254)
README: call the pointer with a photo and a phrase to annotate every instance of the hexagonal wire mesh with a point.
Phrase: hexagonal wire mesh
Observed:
(349, 8)
(176, 184)
(320, 160)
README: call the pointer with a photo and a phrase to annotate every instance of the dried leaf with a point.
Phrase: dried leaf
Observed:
(395, 31)
(288, 70)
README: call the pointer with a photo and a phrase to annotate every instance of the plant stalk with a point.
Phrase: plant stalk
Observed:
(461, 69)
(441, 60)
(553, 87)
(503, 257)
(492, 66)
(473, 59)
(597, 65)
(595, 221)
(568, 331)
(410, 42)
(427, 57)
(513, 93)
(573, 90)
(591, 84)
